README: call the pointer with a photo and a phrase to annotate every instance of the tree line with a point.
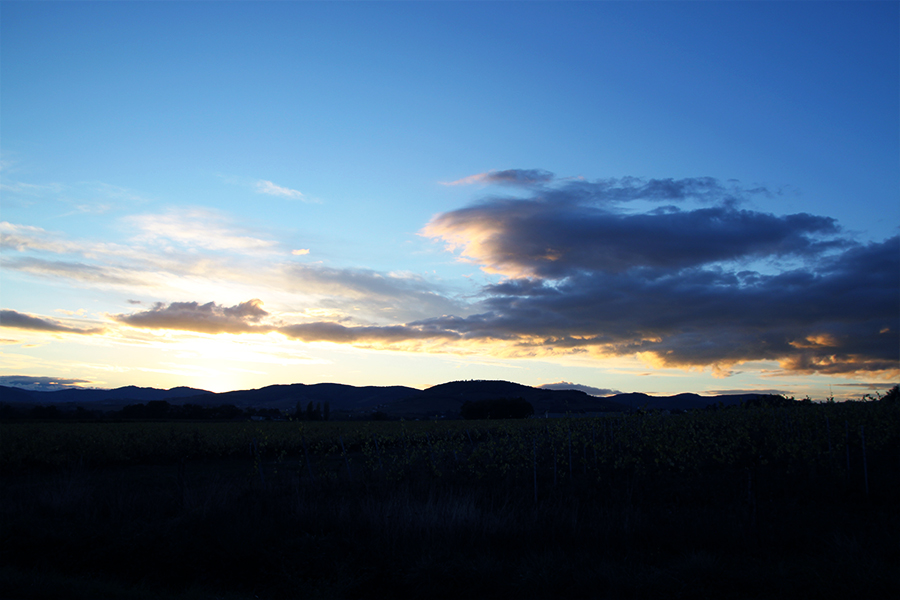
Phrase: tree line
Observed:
(163, 410)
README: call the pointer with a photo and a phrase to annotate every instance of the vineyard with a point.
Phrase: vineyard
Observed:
(639, 505)
(820, 438)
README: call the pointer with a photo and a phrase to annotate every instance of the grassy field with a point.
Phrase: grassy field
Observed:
(738, 503)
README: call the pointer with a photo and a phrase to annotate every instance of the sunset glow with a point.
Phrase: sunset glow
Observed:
(622, 196)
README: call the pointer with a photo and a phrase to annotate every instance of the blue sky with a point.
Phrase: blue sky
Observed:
(657, 197)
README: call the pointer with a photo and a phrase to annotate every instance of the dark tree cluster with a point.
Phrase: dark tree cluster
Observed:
(153, 410)
(892, 396)
(160, 409)
(47, 413)
(499, 408)
(313, 412)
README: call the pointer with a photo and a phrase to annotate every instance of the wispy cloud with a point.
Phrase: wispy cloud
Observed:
(335, 332)
(267, 187)
(590, 390)
(31, 189)
(22, 238)
(520, 177)
(190, 253)
(42, 384)
(86, 197)
(195, 228)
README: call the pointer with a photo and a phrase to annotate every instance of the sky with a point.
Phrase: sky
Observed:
(656, 197)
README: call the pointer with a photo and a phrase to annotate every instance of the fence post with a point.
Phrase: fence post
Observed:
(346, 459)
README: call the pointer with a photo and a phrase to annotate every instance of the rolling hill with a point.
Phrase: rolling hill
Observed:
(443, 400)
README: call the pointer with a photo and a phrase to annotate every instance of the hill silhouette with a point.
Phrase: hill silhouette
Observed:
(447, 398)
(443, 400)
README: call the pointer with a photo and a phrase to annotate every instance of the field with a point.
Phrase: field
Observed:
(798, 501)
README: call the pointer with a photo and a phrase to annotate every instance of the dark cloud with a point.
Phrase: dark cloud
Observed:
(843, 318)
(619, 191)
(40, 384)
(592, 391)
(11, 318)
(589, 270)
(204, 318)
(576, 229)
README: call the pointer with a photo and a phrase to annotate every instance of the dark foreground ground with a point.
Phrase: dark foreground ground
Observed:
(211, 530)
(754, 502)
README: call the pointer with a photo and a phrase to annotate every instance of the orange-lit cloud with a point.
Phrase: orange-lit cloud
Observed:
(584, 274)
(203, 318)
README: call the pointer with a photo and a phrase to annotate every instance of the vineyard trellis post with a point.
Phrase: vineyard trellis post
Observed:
(862, 435)
(534, 464)
(312, 478)
(346, 458)
(378, 453)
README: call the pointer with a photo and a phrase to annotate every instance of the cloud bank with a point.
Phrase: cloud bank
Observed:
(679, 272)
(586, 273)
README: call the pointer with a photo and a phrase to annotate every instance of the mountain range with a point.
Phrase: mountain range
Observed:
(440, 400)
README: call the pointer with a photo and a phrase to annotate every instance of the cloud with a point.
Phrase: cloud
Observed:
(300, 252)
(17, 320)
(869, 385)
(335, 332)
(22, 238)
(741, 392)
(198, 228)
(177, 254)
(203, 318)
(841, 319)
(369, 295)
(566, 385)
(19, 187)
(86, 197)
(677, 272)
(41, 384)
(706, 317)
(580, 228)
(267, 187)
(78, 271)
(519, 177)
(675, 287)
